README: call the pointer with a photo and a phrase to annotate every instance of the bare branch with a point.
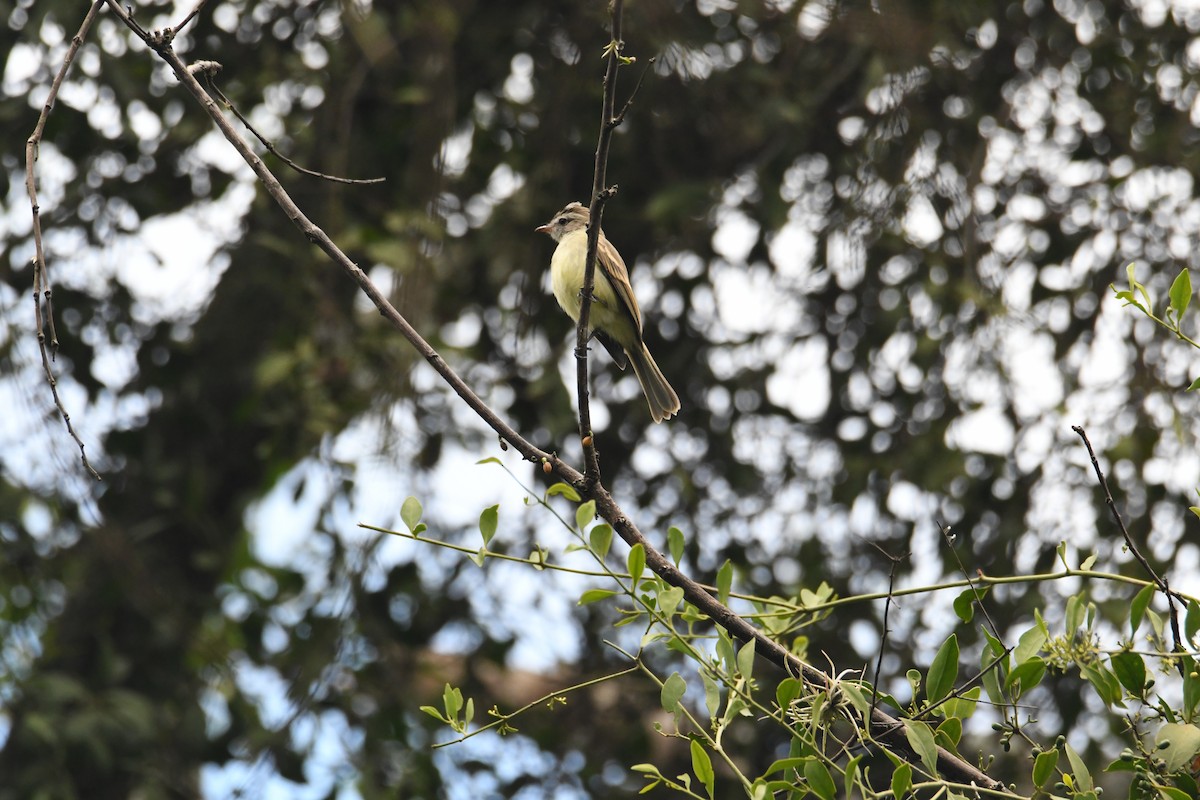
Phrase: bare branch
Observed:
(948, 537)
(1161, 582)
(210, 69)
(887, 608)
(600, 195)
(620, 117)
(44, 319)
(191, 15)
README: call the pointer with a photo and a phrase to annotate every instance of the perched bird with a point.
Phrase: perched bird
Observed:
(614, 318)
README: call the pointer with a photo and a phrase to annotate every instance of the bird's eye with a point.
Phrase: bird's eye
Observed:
(562, 220)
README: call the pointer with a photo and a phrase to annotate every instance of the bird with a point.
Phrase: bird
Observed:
(614, 319)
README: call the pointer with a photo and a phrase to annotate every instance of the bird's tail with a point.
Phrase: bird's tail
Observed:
(661, 398)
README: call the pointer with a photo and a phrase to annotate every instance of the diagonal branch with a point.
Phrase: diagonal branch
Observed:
(1159, 581)
(885, 728)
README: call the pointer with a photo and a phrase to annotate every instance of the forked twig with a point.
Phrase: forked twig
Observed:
(42, 291)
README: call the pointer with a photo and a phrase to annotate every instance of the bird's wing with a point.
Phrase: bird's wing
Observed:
(609, 260)
(613, 347)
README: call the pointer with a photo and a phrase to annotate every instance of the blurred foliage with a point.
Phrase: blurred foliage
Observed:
(873, 243)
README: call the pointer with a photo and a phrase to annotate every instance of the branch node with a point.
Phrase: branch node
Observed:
(205, 68)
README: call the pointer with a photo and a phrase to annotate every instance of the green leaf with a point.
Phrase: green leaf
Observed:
(712, 693)
(901, 781)
(964, 604)
(675, 544)
(1195, 385)
(745, 659)
(585, 515)
(1127, 296)
(819, 781)
(652, 775)
(433, 712)
(963, 706)
(725, 649)
(669, 599)
(1156, 622)
(859, 699)
(1130, 670)
(1076, 607)
(410, 512)
(1181, 293)
(702, 766)
(789, 765)
(1177, 745)
(949, 733)
(1083, 778)
(452, 701)
(1123, 765)
(1191, 622)
(600, 537)
(537, 558)
(724, 582)
(1171, 793)
(992, 673)
(850, 774)
(1191, 689)
(943, 672)
(1104, 682)
(490, 460)
(920, 737)
(636, 562)
(1130, 272)
(1137, 609)
(1029, 645)
(566, 490)
(1026, 675)
(672, 690)
(488, 521)
(1043, 766)
(787, 691)
(914, 680)
(595, 596)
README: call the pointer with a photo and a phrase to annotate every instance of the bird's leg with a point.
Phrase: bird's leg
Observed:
(595, 300)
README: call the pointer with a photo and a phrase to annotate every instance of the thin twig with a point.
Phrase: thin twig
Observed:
(196, 9)
(954, 767)
(620, 117)
(42, 291)
(957, 693)
(1161, 582)
(887, 608)
(948, 537)
(210, 69)
(600, 195)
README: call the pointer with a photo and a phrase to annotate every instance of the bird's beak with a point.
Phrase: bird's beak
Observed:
(543, 228)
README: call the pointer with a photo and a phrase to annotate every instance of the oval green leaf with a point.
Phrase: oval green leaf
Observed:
(943, 672)
(819, 781)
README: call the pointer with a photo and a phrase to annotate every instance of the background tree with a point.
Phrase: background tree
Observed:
(873, 243)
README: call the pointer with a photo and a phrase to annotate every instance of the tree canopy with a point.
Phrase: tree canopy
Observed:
(873, 244)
